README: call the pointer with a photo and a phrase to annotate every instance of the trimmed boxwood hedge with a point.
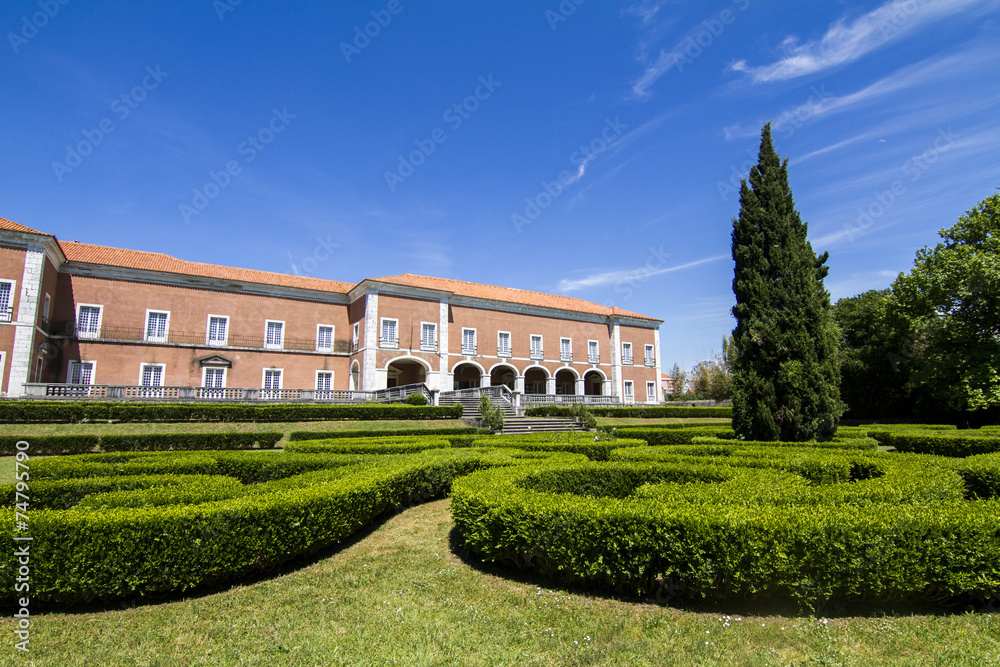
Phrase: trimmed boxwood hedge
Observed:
(923, 442)
(640, 412)
(330, 435)
(696, 530)
(27, 412)
(177, 441)
(576, 443)
(48, 444)
(386, 445)
(97, 553)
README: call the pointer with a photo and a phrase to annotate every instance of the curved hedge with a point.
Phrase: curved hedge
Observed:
(697, 527)
(923, 442)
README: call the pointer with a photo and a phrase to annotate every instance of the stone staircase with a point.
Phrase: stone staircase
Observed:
(526, 425)
(470, 404)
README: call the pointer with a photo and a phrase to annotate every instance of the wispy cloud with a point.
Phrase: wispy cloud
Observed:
(632, 275)
(847, 41)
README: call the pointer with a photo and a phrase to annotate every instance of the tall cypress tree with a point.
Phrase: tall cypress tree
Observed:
(786, 375)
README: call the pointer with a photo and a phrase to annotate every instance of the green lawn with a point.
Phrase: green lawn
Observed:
(400, 595)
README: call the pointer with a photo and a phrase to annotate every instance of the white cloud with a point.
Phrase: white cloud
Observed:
(845, 42)
(630, 276)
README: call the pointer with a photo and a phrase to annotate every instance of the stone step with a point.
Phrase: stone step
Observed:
(524, 425)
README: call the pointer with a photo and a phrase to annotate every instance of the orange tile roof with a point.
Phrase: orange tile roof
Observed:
(156, 261)
(508, 294)
(10, 225)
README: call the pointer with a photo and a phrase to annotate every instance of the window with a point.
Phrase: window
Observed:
(81, 372)
(650, 356)
(274, 336)
(355, 336)
(156, 326)
(629, 391)
(46, 306)
(536, 346)
(503, 344)
(593, 352)
(38, 370)
(324, 338)
(151, 375)
(271, 385)
(6, 301)
(627, 354)
(388, 338)
(651, 392)
(468, 341)
(88, 321)
(428, 336)
(213, 380)
(566, 349)
(218, 329)
(324, 380)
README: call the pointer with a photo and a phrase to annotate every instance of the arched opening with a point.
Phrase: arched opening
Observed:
(402, 372)
(467, 376)
(534, 380)
(503, 375)
(593, 383)
(565, 382)
(355, 376)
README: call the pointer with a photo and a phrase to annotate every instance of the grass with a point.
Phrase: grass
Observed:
(399, 594)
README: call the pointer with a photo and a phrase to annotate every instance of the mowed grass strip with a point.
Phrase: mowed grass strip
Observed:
(400, 595)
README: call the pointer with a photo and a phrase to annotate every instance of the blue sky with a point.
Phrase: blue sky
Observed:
(579, 147)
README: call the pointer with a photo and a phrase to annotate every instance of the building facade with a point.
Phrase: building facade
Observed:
(79, 314)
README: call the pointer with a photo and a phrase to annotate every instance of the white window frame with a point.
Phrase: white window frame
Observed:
(628, 358)
(531, 346)
(4, 317)
(142, 372)
(208, 331)
(432, 345)
(565, 352)
(629, 397)
(383, 340)
(204, 376)
(318, 374)
(466, 350)
(649, 355)
(46, 307)
(37, 373)
(100, 320)
(280, 345)
(264, 391)
(333, 331)
(80, 362)
(651, 392)
(504, 352)
(149, 338)
(3, 360)
(595, 347)
(356, 336)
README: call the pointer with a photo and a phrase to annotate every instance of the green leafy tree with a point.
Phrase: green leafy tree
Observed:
(876, 351)
(712, 378)
(952, 298)
(786, 374)
(680, 382)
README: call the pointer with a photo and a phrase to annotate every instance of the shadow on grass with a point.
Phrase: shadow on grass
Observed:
(739, 606)
(294, 564)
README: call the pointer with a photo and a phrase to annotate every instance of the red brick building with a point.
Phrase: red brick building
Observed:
(74, 314)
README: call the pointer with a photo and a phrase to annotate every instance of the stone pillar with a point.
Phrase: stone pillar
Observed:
(369, 352)
(27, 313)
(617, 381)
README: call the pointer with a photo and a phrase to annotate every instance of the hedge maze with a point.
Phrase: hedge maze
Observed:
(685, 517)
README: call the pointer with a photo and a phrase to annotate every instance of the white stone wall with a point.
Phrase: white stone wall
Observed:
(27, 313)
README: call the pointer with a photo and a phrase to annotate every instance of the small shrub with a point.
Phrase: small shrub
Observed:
(416, 398)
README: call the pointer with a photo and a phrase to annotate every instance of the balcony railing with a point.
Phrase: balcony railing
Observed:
(537, 354)
(222, 394)
(388, 343)
(650, 362)
(6, 314)
(564, 399)
(594, 359)
(469, 350)
(627, 359)
(138, 335)
(566, 357)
